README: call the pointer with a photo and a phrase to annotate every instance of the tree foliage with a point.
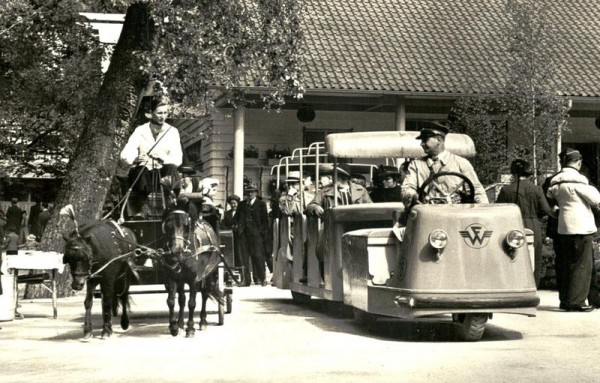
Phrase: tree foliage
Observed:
(50, 70)
(534, 107)
(49, 75)
(207, 44)
(197, 49)
(473, 115)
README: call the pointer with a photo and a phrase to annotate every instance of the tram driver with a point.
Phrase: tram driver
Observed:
(437, 159)
(153, 153)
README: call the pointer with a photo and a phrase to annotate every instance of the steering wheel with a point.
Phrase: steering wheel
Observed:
(468, 197)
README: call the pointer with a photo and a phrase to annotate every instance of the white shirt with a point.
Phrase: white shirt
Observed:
(168, 148)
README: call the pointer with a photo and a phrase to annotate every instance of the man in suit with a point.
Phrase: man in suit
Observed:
(14, 216)
(254, 227)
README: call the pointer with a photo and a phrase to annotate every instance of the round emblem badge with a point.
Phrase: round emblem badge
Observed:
(476, 235)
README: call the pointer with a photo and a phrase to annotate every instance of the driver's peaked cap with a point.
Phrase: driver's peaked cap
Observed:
(432, 129)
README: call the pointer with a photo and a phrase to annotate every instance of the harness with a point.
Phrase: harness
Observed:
(187, 253)
(92, 262)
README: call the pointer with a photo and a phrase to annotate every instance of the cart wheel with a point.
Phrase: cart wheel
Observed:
(228, 303)
(221, 314)
(300, 297)
(364, 318)
(470, 326)
(221, 284)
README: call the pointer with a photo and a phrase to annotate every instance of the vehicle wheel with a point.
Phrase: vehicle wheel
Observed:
(221, 314)
(470, 326)
(300, 297)
(364, 318)
(228, 303)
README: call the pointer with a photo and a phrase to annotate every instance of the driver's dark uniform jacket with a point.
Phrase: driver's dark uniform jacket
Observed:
(422, 169)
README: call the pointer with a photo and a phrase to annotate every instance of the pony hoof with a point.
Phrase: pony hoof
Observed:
(87, 335)
(203, 326)
(190, 333)
(124, 324)
(105, 335)
(174, 331)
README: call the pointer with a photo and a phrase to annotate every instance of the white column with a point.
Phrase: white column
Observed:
(401, 115)
(238, 151)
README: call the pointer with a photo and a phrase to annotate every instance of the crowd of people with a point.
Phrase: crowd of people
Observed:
(18, 230)
(154, 156)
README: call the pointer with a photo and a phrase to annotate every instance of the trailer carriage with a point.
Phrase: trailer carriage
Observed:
(460, 261)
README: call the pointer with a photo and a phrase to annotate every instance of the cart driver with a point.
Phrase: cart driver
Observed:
(154, 153)
(438, 159)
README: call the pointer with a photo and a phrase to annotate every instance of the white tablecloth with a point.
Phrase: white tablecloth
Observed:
(35, 260)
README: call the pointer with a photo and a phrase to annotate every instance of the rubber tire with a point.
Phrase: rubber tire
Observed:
(300, 297)
(471, 326)
(228, 304)
(221, 314)
(364, 318)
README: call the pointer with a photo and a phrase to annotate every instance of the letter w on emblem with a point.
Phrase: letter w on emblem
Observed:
(476, 234)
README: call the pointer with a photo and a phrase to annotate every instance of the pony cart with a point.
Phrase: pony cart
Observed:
(162, 248)
(456, 262)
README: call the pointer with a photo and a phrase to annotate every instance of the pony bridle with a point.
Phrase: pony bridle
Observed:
(186, 242)
(91, 263)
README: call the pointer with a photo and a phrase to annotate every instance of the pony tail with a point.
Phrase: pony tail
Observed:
(69, 212)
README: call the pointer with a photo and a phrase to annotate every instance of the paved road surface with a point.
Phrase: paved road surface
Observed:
(267, 338)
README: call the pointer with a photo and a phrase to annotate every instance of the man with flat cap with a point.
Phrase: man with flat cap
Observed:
(576, 230)
(348, 193)
(438, 159)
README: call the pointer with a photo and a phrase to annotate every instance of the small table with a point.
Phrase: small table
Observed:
(36, 260)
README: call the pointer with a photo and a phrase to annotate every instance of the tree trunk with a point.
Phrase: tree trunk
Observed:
(108, 125)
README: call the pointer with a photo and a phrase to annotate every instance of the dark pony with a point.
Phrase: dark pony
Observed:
(97, 254)
(191, 259)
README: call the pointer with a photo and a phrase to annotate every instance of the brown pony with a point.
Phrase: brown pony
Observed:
(97, 254)
(191, 259)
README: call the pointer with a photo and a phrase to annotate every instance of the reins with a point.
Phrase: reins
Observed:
(128, 193)
(158, 254)
(95, 273)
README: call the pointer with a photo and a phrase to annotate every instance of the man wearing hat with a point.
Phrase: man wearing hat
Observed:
(348, 193)
(532, 203)
(189, 179)
(293, 202)
(387, 189)
(254, 227)
(289, 202)
(576, 229)
(438, 159)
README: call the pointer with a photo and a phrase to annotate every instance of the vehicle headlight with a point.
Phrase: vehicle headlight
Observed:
(438, 239)
(515, 239)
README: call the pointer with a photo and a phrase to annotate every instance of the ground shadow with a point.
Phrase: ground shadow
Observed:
(320, 313)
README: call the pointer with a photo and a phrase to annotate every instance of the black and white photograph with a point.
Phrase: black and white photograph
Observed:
(299, 191)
